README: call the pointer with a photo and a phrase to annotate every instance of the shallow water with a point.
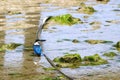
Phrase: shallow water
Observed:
(18, 64)
(57, 45)
(21, 28)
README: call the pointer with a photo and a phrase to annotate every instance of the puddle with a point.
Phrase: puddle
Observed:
(19, 64)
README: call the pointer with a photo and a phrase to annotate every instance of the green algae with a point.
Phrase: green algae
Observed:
(1, 65)
(97, 41)
(28, 48)
(55, 78)
(69, 60)
(13, 12)
(63, 40)
(110, 54)
(15, 74)
(117, 45)
(51, 68)
(75, 61)
(75, 41)
(10, 46)
(86, 9)
(66, 40)
(66, 19)
(93, 60)
(104, 1)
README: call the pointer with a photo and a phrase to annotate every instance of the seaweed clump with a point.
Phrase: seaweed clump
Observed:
(103, 1)
(97, 41)
(86, 9)
(75, 60)
(69, 60)
(93, 60)
(110, 54)
(66, 19)
(10, 46)
(75, 41)
(117, 45)
(13, 12)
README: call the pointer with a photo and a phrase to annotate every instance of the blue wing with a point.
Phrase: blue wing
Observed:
(37, 49)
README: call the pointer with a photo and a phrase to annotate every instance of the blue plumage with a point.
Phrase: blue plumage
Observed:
(37, 49)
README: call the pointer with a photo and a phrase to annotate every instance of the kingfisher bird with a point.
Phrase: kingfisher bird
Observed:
(37, 48)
